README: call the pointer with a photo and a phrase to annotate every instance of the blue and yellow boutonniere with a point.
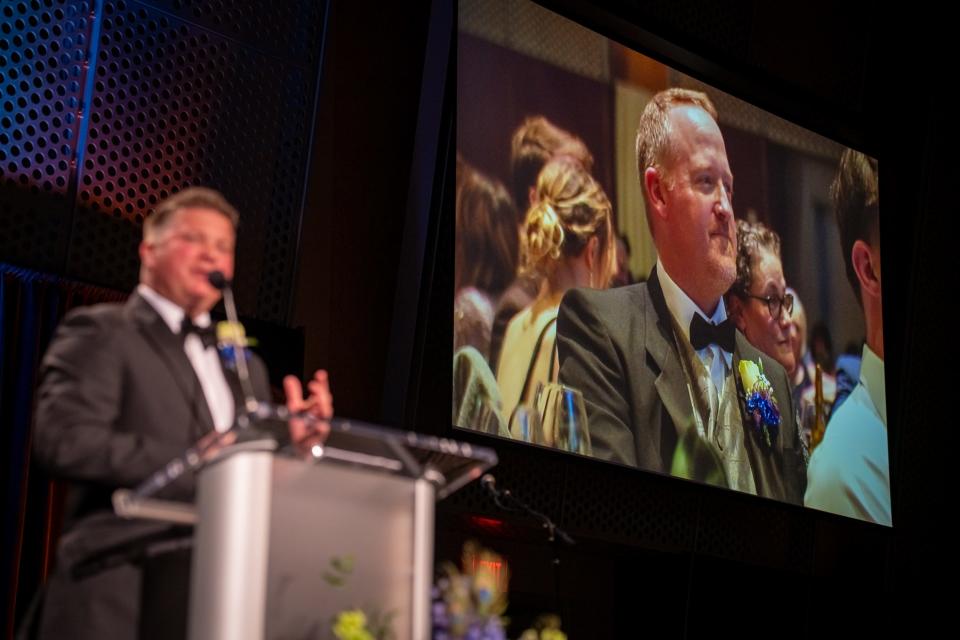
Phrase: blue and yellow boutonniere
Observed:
(762, 410)
(231, 336)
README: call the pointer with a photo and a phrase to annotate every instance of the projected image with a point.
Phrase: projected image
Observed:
(654, 273)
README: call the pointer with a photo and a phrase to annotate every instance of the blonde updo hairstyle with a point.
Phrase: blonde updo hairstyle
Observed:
(571, 208)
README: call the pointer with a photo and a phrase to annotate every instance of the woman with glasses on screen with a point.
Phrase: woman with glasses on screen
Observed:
(568, 240)
(758, 301)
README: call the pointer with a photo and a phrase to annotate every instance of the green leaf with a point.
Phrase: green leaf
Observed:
(334, 580)
(342, 564)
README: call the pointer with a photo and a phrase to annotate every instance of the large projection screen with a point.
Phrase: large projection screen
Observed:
(577, 272)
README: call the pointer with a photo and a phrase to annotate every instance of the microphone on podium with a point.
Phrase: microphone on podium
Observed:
(506, 501)
(488, 482)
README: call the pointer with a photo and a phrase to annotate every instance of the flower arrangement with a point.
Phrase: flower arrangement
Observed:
(762, 409)
(355, 624)
(546, 627)
(352, 625)
(470, 603)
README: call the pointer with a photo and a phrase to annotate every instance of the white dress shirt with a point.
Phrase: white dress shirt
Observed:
(715, 360)
(206, 362)
(849, 471)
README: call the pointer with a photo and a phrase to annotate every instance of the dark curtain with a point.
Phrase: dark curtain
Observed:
(31, 305)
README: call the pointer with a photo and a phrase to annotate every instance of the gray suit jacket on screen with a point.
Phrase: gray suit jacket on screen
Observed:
(617, 347)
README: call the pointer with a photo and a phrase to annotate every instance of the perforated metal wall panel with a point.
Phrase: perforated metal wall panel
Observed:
(43, 49)
(110, 106)
(604, 502)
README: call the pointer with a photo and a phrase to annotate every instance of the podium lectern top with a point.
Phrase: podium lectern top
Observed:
(447, 463)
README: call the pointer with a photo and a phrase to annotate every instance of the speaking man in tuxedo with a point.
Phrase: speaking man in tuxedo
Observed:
(126, 388)
(659, 363)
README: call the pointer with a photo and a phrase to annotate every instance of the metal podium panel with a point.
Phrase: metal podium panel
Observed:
(269, 525)
(229, 572)
(368, 520)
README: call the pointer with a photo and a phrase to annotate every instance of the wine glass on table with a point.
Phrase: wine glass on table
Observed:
(564, 418)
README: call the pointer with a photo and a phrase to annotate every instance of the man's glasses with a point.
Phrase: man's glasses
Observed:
(776, 304)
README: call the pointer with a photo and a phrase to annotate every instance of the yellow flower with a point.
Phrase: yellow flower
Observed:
(552, 634)
(231, 333)
(749, 374)
(352, 625)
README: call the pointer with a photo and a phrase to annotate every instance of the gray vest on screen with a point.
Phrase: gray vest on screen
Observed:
(717, 416)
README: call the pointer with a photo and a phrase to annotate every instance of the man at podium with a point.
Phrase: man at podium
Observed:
(126, 388)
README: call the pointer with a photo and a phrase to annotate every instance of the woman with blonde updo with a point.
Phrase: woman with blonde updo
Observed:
(568, 240)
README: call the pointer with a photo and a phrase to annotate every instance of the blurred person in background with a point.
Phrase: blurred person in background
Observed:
(821, 347)
(485, 255)
(848, 372)
(623, 276)
(805, 375)
(568, 241)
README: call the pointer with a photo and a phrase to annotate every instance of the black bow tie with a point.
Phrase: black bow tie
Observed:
(207, 335)
(703, 334)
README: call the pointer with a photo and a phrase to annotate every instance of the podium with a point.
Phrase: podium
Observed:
(285, 540)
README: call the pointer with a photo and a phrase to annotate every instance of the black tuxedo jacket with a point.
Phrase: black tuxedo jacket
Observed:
(118, 399)
(617, 347)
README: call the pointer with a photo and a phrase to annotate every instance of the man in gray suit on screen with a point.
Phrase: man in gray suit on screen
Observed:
(670, 385)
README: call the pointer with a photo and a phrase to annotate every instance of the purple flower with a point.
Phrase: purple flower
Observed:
(228, 355)
(766, 415)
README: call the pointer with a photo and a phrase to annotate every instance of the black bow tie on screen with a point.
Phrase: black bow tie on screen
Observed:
(703, 334)
(207, 335)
